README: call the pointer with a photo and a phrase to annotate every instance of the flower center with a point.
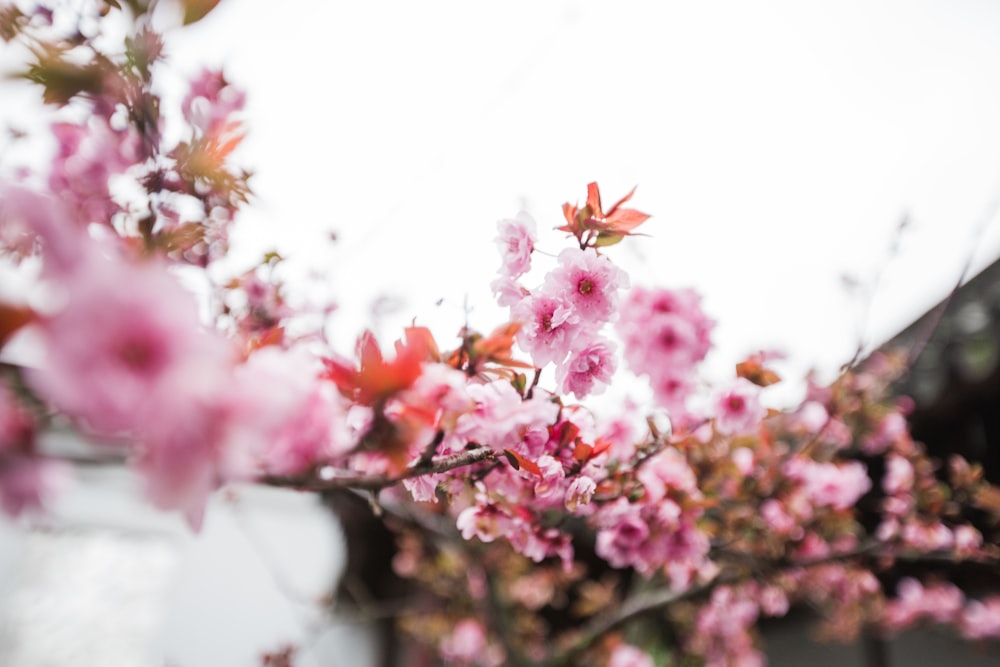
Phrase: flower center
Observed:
(586, 286)
(137, 356)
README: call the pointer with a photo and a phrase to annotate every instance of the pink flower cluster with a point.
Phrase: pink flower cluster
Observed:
(561, 320)
(830, 484)
(658, 532)
(665, 335)
(943, 603)
(722, 632)
(130, 362)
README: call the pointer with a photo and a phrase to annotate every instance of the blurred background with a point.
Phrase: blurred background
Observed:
(822, 172)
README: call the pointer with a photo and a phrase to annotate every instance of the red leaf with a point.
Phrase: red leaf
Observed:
(594, 199)
(378, 379)
(617, 222)
(618, 203)
(753, 369)
(517, 462)
(420, 341)
(626, 219)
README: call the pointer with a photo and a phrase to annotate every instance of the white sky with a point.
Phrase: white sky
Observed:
(777, 144)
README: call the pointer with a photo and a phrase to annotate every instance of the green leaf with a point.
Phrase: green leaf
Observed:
(605, 239)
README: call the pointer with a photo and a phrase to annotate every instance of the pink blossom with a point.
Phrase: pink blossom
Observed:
(504, 420)
(655, 316)
(666, 342)
(109, 348)
(548, 328)
(778, 519)
(181, 459)
(507, 291)
(88, 155)
(665, 336)
(626, 655)
(744, 460)
(830, 484)
(681, 549)
(17, 425)
(811, 417)
(579, 492)
(967, 539)
(26, 482)
(588, 370)
(465, 644)
(890, 429)
(281, 416)
(738, 408)
(516, 241)
(667, 471)
(423, 489)
(622, 543)
(722, 634)
(773, 601)
(441, 394)
(210, 101)
(899, 475)
(927, 535)
(671, 391)
(588, 281)
(485, 520)
(27, 217)
(941, 603)
(981, 619)
(540, 543)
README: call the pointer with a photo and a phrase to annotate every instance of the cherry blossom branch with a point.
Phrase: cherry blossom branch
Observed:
(653, 600)
(335, 479)
(632, 607)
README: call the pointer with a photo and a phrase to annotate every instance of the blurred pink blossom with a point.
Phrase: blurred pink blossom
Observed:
(516, 241)
(626, 655)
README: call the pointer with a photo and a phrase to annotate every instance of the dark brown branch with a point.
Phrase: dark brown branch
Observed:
(427, 456)
(349, 479)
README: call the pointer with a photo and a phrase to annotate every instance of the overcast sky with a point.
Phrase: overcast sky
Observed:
(777, 144)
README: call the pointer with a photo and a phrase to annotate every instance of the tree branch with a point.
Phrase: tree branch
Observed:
(334, 479)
